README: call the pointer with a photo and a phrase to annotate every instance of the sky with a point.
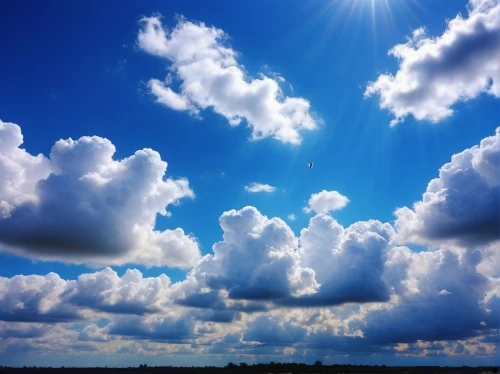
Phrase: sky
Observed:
(156, 205)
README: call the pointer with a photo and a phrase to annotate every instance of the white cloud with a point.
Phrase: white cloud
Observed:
(92, 333)
(260, 259)
(19, 170)
(130, 294)
(432, 287)
(436, 73)
(50, 299)
(256, 260)
(35, 298)
(459, 208)
(259, 187)
(326, 201)
(352, 264)
(265, 293)
(91, 209)
(210, 77)
(166, 96)
(347, 263)
(291, 217)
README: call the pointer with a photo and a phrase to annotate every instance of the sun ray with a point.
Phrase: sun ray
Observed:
(388, 13)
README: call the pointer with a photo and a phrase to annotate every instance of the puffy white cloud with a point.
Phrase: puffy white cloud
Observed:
(460, 207)
(19, 170)
(347, 263)
(210, 77)
(48, 298)
(82, 206)
(263, 292)
(256, 260)
(291, 217)
(428, 287)
(490, 262)
(259, 187)
(260, 259)
(92, 333)
(35, 298)
(436, 73)
(130, 294)
(441, 290)
(326, 201)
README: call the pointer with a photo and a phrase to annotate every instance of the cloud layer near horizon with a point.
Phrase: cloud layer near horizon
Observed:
(436, 73)
(332, 290)
(210, 77)
(82, 206)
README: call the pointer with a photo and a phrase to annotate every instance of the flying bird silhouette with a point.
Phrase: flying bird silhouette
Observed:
(310, 164)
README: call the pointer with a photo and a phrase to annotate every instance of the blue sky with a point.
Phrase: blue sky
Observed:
(74, 69)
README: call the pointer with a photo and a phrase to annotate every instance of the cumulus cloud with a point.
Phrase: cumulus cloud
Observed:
(261, 260)
(48, 298)
(442, 290)
(271, 330)
(259, 187)
(436, 73)
(210, 77)
(263, 291)
(256, 260)
(19, 170)
(92, 333)
(460, 207)
(326, 201)
(22, 330)
(428, 287)
(82, 206)
(35, 298)
(157, 327)
(347, 263)
(131, 294)
(291, 217)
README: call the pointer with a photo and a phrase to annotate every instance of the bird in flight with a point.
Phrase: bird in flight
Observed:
(310, 164)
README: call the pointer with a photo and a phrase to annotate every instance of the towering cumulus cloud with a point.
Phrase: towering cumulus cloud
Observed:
(261, 260)
(210, 77)
(82, 206)
(436, 73)
(19, 170)
(461, 207)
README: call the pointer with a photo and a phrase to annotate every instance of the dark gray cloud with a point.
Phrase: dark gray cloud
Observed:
(22, 330)
(220, 316)
(167, 328)
(268, 330)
